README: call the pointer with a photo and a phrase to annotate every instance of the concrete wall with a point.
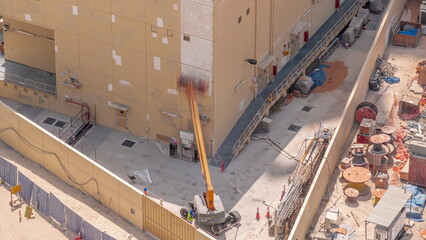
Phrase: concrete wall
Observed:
(42, 147)
(35, 51)
(335, 149)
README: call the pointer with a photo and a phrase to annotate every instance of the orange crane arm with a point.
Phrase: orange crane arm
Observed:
(209, 194)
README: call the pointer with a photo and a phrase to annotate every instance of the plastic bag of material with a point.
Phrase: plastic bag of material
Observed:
(143, 175)
(392, 80)
(304, 84)
(412, 32)
(319, 76)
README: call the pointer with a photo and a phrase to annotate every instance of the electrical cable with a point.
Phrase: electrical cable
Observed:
(275, 145)
(67, 172)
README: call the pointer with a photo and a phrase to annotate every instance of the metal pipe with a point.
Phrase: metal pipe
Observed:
(83, 105)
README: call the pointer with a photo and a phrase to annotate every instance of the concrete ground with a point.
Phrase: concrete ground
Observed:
(258, 173)
(42, 227)
(405, 59)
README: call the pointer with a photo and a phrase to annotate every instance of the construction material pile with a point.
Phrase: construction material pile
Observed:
(357, 24)
(364, 14)
(385, 71)
(348, 36)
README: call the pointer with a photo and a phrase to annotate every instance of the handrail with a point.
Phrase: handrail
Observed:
(26, 82)
(292, 76)
(65, 130)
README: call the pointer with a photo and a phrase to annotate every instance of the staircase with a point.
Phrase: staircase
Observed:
(76, 128)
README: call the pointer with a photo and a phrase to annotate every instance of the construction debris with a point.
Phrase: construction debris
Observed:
(421, 70)
(384, 70)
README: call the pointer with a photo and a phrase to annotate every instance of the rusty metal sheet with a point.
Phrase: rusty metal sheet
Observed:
(416, 174)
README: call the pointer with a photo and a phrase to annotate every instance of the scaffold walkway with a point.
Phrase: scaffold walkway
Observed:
(259, 107)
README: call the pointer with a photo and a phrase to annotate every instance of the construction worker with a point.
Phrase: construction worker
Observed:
(190, 216)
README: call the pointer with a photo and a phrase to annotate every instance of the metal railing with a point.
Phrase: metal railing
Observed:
(294, 74)
(29, 83)
(67, 133)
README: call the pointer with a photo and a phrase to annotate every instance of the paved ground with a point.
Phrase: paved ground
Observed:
(42, 227)
(257, 174)
(406, 60)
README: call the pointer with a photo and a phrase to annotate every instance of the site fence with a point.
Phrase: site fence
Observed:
(332, 156)
(81, 172)
(49, 205)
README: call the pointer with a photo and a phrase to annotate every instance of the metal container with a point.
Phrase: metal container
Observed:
(417, 169)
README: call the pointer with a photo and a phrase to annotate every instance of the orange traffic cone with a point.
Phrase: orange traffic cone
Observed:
(257, 215)
(268, 214)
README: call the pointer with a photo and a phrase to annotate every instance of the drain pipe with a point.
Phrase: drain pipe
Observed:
(83, 105)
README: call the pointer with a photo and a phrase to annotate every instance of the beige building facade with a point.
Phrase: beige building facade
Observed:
(128, 54)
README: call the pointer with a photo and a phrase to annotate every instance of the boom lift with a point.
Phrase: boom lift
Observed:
(208, 206)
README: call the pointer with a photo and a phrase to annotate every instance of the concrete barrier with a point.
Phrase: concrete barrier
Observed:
(317, 190)
(76, 169)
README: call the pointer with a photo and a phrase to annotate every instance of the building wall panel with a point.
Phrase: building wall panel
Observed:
(59, 16)
(132, 68)
(133, 9)
(35, 51)
(94, 24)
(100, 5)
(129, 33)
(30, 11)
(96, 56)
(6, 7)
(66, 46)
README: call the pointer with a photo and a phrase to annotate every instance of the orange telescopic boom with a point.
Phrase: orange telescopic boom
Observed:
(209, 194)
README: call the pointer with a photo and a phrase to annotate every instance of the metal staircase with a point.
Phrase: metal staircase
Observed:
(76, 128)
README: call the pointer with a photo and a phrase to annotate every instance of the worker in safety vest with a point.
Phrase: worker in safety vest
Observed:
(190, 216)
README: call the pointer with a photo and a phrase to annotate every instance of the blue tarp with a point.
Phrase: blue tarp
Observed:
(412, 32)
(416, 204)
(392, 80)
(318, 76)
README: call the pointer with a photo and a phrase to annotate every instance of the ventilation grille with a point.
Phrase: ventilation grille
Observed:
(163, 138)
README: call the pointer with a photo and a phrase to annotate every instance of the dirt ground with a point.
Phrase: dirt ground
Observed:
(11, 228)
(336, 74)
(405, 59)
(42, 227)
